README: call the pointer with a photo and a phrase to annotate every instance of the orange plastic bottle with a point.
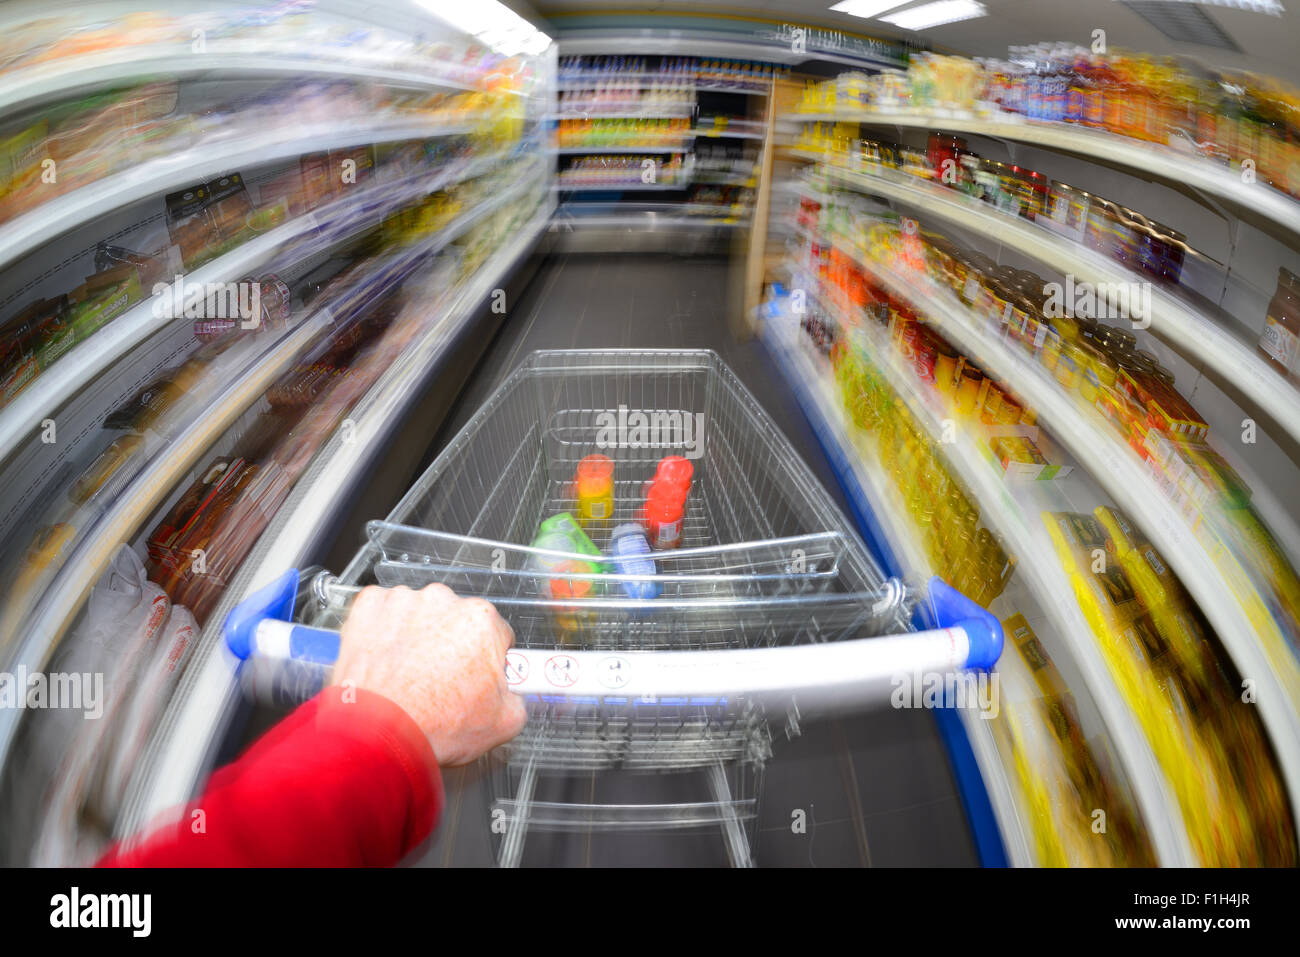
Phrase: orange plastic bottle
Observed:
(594, 491)
(675, 471)
(665, 513)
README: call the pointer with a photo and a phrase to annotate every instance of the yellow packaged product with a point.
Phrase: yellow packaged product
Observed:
(1100, 586)
(1036, 659)
(20, 154)
(1170, 607)
(1119, 528)
(1058, 775)
(1078, 538)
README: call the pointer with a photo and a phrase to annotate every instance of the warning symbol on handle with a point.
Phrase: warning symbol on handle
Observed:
(516, 668)
(562, 670)
(614, 673)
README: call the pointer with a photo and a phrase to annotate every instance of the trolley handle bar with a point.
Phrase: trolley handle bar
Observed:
(968, 638)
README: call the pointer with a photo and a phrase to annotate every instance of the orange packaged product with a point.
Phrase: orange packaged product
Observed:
(233, 535)
(183, 558)
(664, 516)
(1166, 409)
(360, 170)
(1170, 412)
(593, 491)
(162, 542)
(317, 183)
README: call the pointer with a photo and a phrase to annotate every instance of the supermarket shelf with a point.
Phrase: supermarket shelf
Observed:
(707, 44)
(648, 80)
(100, 350)
(1144, 159)
(47, 82)
(1039, 566)
(618, 187)
(655, 114)
(676, 229)
(64, 595)
(710, 178)
(568, 219)
(1176, 321)
(743, 91)
(677, 146)
(1223, 590)
(814, 394)
(200, 162)
(48, 618)
(183, 743)
(722, 133)
(622, 81)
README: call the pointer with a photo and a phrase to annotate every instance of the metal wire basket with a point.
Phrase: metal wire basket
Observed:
(766, 565)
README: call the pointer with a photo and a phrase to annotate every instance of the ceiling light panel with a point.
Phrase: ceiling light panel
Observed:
(866, 8)
(936, 14)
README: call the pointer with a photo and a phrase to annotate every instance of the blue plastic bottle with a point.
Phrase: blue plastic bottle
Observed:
(630, 552)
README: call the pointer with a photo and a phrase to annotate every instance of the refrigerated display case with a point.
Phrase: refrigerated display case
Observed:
(217, 315)
(658, 146)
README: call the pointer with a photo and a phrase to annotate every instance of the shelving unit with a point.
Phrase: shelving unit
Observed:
(306, 252)
(29, 87)
(678, 146)
(1178, 321)
(53, 610)
(183, 746)
(656, 114)
(882, 503)
(1012, 509)
(618, 187)
(107, 345)
(1143, 158)
(671, 84)
(1225, 592)
(200, 162)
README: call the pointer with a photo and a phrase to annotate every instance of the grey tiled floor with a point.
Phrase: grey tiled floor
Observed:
(875, 789)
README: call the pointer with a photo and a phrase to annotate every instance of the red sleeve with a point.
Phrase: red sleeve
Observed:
(348, 779)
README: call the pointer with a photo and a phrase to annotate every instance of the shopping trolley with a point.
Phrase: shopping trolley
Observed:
(770, 609)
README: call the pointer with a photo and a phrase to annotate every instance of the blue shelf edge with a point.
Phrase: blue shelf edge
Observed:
(961, 757)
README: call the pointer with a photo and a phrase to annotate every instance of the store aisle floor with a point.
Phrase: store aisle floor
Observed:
(875, 789)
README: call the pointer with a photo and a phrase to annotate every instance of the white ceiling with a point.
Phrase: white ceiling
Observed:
(1271, 44)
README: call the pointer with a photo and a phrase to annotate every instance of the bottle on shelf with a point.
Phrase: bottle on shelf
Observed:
(1279, 343)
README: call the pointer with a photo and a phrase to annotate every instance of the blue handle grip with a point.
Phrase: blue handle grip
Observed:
(261, 624)
(274, 601)
(982, 628)
(318, 645)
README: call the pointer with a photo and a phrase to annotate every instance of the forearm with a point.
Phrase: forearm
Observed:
(348, 779)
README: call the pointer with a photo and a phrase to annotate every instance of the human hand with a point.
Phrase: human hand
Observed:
(439, 657)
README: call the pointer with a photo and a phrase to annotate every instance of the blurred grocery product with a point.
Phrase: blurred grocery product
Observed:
(630, 551)
(1224, 117)
(1279, 343)
(1058, 769)
(593, 486)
